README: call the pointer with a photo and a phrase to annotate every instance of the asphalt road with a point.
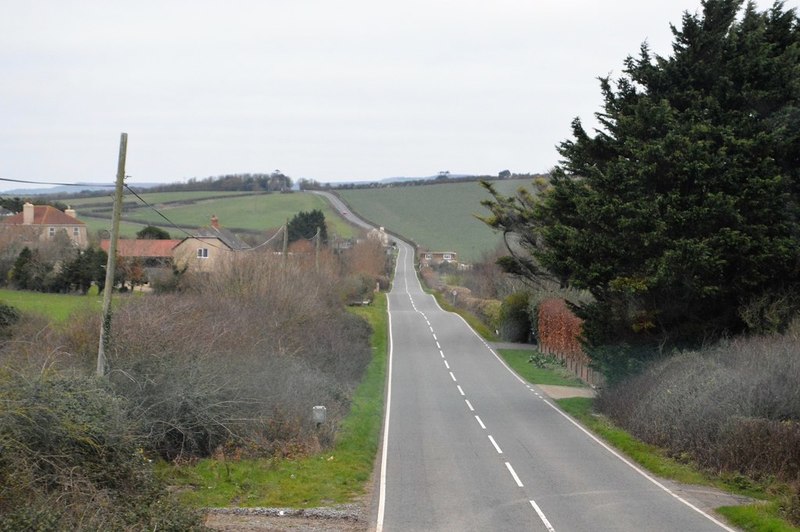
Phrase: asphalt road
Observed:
(468, 445)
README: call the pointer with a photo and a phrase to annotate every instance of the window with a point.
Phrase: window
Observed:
(51, 231)
(428, 256)
(76, 232)
(447, 256)
(202, 253)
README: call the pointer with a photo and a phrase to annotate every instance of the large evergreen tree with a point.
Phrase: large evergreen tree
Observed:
(684, 207)
(152, 232)
(304, 225)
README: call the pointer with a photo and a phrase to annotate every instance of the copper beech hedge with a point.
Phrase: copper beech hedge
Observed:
(559, 332)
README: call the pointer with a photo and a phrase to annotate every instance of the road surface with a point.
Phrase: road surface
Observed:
(468, 445)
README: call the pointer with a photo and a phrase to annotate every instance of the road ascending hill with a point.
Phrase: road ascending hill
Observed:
(468, 445)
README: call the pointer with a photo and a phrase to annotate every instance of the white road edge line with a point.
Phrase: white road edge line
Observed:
(481, 424)
(500, 451)
(641, 471)
(385, 450)
(514, 474)
(542, 517)
(599, 442)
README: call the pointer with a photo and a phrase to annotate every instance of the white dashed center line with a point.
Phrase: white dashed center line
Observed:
(499, 450)
(542, 517)
(514, 474)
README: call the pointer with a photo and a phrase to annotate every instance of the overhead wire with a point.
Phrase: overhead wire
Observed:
(189, 235)
(31, 182)
(154, 209)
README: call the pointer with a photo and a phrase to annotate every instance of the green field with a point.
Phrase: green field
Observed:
(56, 307)
(439, 217)
(236, 211)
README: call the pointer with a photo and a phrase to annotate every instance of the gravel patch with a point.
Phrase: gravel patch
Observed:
(344, 517)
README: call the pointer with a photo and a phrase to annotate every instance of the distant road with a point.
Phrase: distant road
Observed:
(468, 445)
(342, 209)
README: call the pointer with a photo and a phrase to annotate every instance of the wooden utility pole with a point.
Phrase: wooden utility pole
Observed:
(286, 242)
(105, 326)
(316, 249)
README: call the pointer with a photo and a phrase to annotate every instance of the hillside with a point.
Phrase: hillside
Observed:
(238, 211)
(439, 217)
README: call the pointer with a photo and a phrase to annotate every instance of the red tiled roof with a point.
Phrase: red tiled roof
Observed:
(44, 215)
(141, 248)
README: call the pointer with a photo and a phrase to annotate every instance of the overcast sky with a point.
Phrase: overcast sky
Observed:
(330, 90)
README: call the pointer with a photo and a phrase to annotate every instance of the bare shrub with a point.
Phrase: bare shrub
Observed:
(770, 312)
(33, 346)
(71, 460)
(731, 407)
(242, 357)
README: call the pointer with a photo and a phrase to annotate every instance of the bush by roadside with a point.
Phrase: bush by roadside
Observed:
(733, 408)
(71, 460)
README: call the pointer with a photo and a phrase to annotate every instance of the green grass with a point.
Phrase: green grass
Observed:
(756, 517)
(55, 307)
(552, 373)
(95, 226)
(475, 322)
(107, 200)
(235, 210)
(335, 476)
(438, 217)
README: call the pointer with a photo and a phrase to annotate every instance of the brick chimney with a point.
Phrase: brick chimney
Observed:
(69, 211)
(214, 221)
(27, 213)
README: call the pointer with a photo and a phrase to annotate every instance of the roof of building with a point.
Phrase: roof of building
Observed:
(142, 247)
(227, 238)
(44, 215)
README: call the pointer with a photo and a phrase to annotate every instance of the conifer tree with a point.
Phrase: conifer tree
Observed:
(683, 208)
(304, 225)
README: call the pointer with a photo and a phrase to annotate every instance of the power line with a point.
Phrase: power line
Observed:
(170, 222)
(153, 208)
(202, 238)
(31, 182)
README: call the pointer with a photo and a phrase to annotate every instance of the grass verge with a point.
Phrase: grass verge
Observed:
(758, 517)
(481, 328)
(333, 477)
(55, 307)
(549, 371)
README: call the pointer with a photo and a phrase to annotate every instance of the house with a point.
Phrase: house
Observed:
(207, 248)
(437, 258)
(40, 223)
(380, 235)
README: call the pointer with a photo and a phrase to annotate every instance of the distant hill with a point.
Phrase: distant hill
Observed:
(63, 189)
(437, 216)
